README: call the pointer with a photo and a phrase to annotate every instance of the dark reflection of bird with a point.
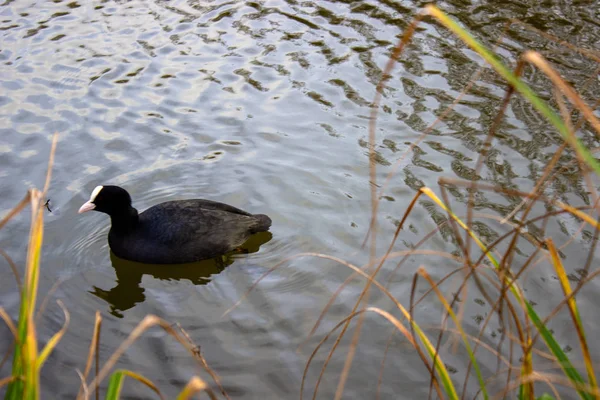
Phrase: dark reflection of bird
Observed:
(128, 290)
(174, 232)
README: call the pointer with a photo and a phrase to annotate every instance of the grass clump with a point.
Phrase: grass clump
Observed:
(24, 382)
(490, 270)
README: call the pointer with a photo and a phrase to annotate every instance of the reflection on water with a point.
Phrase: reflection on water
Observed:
(128, 290)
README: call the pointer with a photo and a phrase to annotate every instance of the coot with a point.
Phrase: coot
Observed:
(173, 232)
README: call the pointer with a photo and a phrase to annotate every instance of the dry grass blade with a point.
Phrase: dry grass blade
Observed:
(7, 380)
(146, 323)
(398, 325)
(564, 301)
(429, 193)
(55, 338)
(428, 130)
(48, 296)
(541, 183)
(14, 269)
(319, 255)
(539, 61)
(8, 322)
(328, 306)
(142, 379)
(582, 166)
(535, 196)
(506, 279)
(573, 310)
(353, 275)
(385, 354)
(573, 236)
(16, 210)
(403, 254)
(546, 179)
(97, 365)
(50, 163)
(364, 296)
(390, 296)
(541, 106)
(91, 351)
(481, 342)
(541, 377)
(195, 385)
(198, 355)
(586, 217)
(339, 338)
(416, 249)
(396, 52)
(84, 388)
(486, 145)
(536, 376)
(497, 306)
(588, 53)
(422, 272)
(8, 352)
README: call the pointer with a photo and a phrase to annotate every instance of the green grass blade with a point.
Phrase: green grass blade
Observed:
(572, 304)
(16, 388)
(25, 373)
(545, 396)
(25, 354)
(562, 128)
(518, 84)
(439, 365)
(560, 355)
(462, 332)
(114, 385)
(562, 358)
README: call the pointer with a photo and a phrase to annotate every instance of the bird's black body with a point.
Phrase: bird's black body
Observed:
(174, 232)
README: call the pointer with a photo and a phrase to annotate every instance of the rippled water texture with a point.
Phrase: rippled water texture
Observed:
(264, 105)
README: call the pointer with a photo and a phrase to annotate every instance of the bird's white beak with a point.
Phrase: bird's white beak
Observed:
(87, 206)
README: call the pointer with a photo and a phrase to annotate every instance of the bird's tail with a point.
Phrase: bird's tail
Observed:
(263, 223)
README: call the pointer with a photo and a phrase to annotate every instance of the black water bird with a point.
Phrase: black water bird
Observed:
(173, 232)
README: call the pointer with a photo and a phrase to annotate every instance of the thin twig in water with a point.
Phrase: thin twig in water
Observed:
(198, 355)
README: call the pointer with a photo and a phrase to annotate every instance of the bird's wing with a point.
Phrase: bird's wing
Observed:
(179, 222)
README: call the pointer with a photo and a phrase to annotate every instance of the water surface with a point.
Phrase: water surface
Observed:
(264, 105)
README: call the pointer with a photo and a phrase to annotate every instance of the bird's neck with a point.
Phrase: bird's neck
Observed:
(124, 221)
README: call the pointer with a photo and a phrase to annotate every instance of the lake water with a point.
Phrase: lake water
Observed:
(265, 105)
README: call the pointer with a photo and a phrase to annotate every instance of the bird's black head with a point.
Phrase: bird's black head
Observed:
(112, 200)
